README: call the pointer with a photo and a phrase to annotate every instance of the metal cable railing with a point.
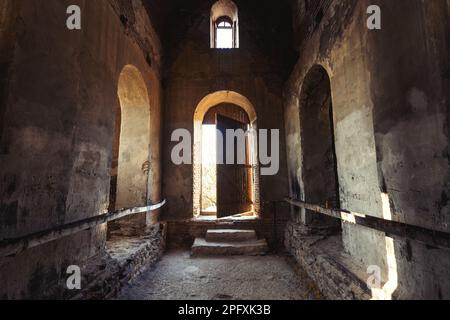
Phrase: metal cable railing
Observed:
(391, 228)
(10, 247)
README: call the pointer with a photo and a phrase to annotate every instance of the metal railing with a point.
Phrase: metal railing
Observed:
(426, 236)
(11, 247)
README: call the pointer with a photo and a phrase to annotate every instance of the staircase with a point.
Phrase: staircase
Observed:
(229, 242)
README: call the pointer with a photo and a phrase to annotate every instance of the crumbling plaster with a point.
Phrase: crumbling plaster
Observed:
(390, 128)
(57, 147)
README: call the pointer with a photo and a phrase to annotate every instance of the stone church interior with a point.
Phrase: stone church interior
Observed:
(114, 130)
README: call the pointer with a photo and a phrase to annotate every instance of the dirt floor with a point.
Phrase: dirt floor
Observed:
(179, 277)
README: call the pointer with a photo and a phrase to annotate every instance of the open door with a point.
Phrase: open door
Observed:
(234, 187)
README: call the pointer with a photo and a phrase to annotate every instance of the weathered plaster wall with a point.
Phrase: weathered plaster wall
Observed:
(341, 53)
(410, 91)
(390, 103)
(59, 128)
(193, 71)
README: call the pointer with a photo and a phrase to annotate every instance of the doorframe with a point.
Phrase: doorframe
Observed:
(202, 109)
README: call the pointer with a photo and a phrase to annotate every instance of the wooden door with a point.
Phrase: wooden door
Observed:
(234, 190)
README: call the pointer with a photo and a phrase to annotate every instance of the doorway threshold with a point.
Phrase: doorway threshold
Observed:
(227, 219)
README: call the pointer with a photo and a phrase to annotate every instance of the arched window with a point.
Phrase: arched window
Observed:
(224, 33)
(224, 25)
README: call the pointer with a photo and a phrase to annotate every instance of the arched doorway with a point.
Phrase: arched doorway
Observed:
(236, 186)
(131, 151)
(320, 175)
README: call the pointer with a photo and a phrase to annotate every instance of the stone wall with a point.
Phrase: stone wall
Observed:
(331, 273)
(182, 233)
(390, 110)
(107, 273)
(193, 70)
(58, 122)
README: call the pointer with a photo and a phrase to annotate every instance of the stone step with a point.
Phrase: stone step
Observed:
(230, 235)
(202, 247)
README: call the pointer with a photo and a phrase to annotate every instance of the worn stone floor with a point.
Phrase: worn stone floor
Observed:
(179, 277)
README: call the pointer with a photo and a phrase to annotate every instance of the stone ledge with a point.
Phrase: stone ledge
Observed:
(123, 260)
(331, 272)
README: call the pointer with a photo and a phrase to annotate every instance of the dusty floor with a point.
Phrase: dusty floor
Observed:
(179, 277)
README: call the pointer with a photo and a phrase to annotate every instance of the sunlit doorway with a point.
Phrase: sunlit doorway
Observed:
(227, 189)
(205, 115)
(209, 171)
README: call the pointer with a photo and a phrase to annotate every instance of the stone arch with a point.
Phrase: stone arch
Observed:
(319, 173)
(202, 109)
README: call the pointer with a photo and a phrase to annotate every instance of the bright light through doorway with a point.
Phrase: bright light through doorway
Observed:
(209, 170)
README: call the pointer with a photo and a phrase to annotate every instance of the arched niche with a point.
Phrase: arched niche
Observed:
(131, 150)
(319, 173)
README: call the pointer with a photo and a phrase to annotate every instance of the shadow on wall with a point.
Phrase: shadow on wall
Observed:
(411, 123)
(319, 174)
(321, 183)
